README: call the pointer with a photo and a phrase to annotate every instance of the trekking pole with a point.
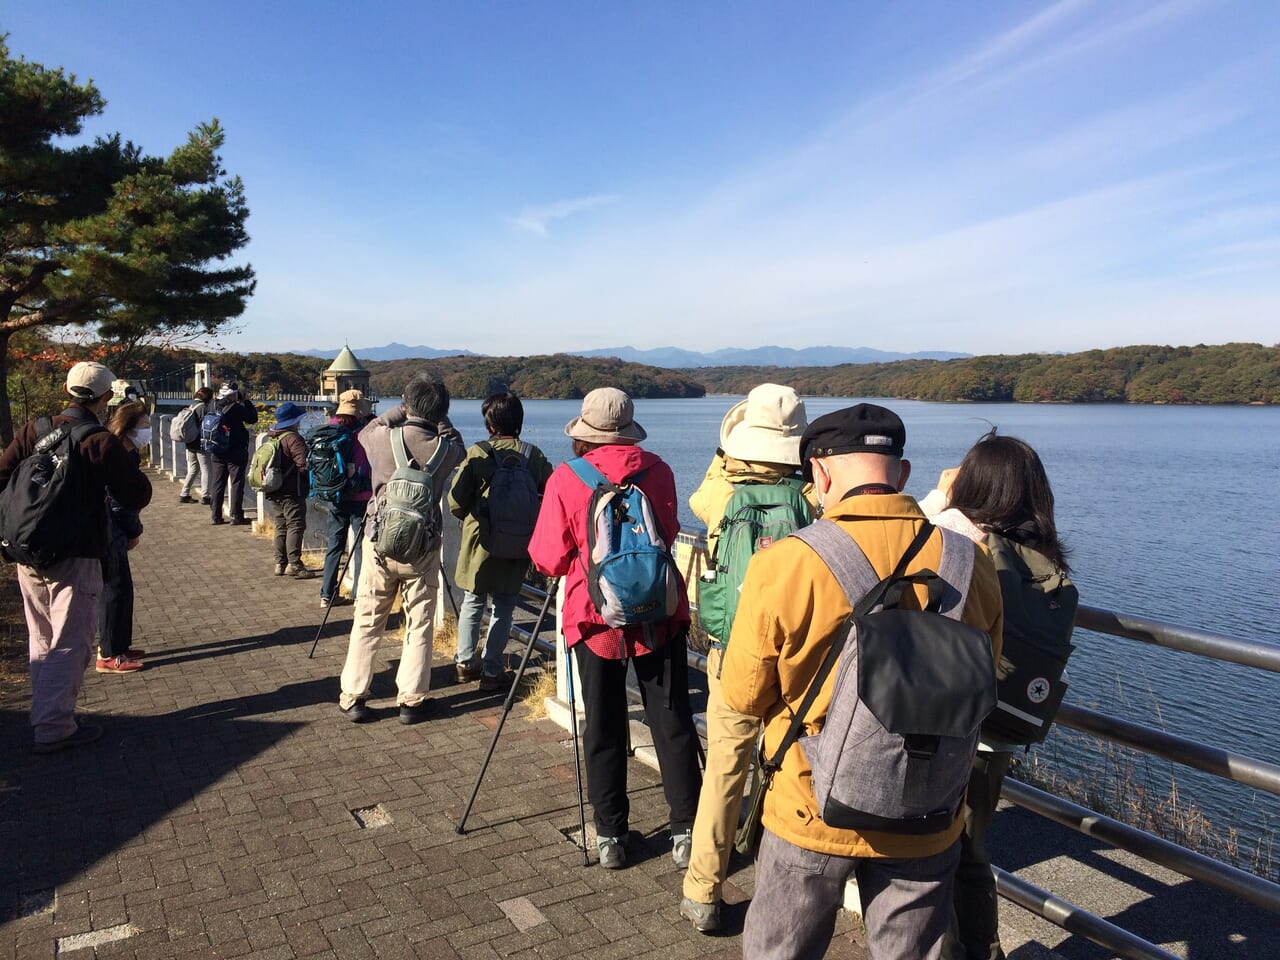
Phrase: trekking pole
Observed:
(341, 573)
(577, 762)
(506, 706)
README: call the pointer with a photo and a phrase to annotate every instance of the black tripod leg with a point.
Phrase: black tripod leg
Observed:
(449, 590)
(341, 574)
(507, 704)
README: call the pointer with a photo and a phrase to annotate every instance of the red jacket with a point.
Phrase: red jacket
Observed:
(559, 544)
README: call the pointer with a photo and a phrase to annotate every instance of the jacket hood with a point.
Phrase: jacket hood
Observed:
(618, 461)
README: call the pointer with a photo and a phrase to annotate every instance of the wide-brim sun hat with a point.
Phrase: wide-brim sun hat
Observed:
(766, 427)
(608, 416)
(288, 414)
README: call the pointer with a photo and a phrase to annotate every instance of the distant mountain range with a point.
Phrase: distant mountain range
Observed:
(673, 358)
(392, 351)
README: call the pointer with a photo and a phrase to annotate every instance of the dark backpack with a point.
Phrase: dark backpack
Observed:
(42, 510)
(215, 435)
(407, 524)
(911, 690)
(331, 464)
(757, 515)
(631, 577)
(1039, 613)
(508, 508)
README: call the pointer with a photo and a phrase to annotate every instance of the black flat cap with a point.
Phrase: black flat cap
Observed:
(864, 428)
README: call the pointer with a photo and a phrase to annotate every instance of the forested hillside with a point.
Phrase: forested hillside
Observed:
(1228, 373)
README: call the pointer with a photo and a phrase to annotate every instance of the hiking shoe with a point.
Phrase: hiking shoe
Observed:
(465, 672)
(357, 712)
(117, 665)
(133, 653)
(186, 499)
(240, 521)
(494, 682)
(334, 601)
(415, 713)
(280, 565)
(705, 916)
(681, 848)
(299, 572)
(85, 733)
(613, 855)
(205, 501)
(218, 521)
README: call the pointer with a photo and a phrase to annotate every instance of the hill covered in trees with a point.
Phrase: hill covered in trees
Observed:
(1227, 373)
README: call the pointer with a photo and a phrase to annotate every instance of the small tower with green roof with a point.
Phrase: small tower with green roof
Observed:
(345, 373)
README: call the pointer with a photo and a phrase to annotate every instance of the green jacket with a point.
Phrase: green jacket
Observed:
(477, 571)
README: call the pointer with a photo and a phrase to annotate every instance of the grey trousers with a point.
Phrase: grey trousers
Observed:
(905, 903)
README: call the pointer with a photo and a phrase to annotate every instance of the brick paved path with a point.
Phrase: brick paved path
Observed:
(214, 818)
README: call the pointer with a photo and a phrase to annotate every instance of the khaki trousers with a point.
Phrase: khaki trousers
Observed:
(380, 579)
(731, 737)
(61, 606)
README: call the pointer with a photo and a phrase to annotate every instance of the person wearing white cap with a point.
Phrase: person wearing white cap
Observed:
(61, 598)
(759, 449)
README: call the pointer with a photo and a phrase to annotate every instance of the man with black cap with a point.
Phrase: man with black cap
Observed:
(790, 611)
(61, 600)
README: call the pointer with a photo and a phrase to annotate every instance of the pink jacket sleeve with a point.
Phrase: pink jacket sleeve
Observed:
(552, 547)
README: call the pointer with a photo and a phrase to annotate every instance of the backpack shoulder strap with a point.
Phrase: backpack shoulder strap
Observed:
(398, 450)
(437, 457)
(526, 450)
(487, 448)
(587, 472)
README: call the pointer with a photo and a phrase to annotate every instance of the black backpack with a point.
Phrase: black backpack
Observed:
(508, 509)
(42, 508)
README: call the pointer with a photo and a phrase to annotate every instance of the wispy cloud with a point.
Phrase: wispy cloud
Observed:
(537, 219)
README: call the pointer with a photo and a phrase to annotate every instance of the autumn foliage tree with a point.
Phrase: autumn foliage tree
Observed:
(99, 235)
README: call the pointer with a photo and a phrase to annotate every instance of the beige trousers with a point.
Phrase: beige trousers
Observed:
(380, 580)
(731, 737)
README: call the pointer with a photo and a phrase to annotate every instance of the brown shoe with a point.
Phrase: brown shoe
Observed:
(117, 665)
(493, 682)
(466, 673)
(299, 572)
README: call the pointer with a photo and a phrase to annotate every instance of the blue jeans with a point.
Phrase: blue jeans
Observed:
(341, 517)
(495, 643)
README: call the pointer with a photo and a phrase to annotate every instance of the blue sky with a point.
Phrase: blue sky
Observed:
(517, 178)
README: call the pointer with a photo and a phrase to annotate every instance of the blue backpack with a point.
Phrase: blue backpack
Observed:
(631, 577)
(215, 436)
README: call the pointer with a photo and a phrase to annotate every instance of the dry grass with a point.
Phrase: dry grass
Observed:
(1125, 791)
(537, 688)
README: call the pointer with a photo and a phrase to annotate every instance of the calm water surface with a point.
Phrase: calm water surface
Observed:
(1170, 513)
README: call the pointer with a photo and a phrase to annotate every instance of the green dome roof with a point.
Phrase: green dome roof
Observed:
(346, 362)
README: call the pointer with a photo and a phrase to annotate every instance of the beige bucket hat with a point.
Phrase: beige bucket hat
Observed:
(352, 403)
(766, 427)
(608, 416)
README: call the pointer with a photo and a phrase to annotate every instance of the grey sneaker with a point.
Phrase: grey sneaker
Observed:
(613, 855)
(705, 916)
(681, 848)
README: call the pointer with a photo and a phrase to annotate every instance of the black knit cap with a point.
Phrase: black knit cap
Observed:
(864, 428)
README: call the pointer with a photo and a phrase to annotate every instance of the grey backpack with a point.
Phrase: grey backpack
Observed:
(911, 689)
(407, 523)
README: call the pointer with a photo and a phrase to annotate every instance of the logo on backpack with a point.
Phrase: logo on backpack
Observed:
(1039, 613)
(407, 521)
(266, 470)
(757, 515)
(215, 436)
(631, 577)
(42, 508)
(186, 425)
(911, 689)
(508, 509)
(331, 464)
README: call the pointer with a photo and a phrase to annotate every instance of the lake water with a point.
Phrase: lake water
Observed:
(1170, 513)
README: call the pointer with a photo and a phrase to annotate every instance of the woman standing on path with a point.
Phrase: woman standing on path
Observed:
(1000, 490)
(116, 653)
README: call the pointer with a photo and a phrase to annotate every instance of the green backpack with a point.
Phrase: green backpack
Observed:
(266, 470)
(757, 515)
(1039, 613)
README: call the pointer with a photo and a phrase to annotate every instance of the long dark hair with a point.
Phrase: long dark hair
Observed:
(1002, 486)
(126, 416)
